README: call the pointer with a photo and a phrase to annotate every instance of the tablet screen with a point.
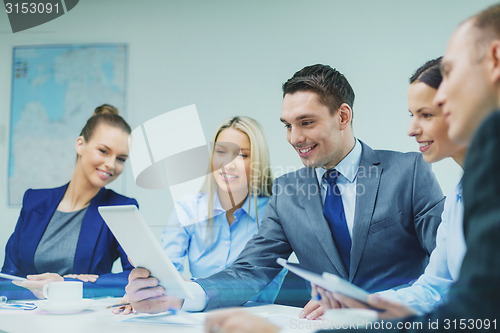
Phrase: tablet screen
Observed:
(137, 240)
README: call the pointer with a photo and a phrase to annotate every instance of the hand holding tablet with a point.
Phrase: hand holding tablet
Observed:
(336, 284)
(328, 281)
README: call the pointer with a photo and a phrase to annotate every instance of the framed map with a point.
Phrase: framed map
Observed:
(55, 89)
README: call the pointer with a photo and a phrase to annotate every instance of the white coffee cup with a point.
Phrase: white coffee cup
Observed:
(63, 292)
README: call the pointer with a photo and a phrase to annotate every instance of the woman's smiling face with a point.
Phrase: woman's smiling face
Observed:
(428, 124)
(231, 160)
(102, 158)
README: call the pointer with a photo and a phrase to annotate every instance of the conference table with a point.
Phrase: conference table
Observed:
(98, 318)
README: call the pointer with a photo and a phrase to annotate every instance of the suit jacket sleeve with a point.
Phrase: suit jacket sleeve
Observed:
(428, 204)
(254, 268)
(11, 263)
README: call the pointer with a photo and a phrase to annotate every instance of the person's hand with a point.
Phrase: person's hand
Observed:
(321, 300)
(328, 299)
(36, 282)
(313, 309)
(124, 309)
(83, 277)
(236, 320)
(145, 295)
(387, 309)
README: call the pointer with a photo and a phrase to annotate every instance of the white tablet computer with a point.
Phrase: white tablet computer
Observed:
(137, 240)
(328, 281)
(11, 277)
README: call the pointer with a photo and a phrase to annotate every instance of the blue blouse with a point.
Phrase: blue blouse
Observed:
(211, 252)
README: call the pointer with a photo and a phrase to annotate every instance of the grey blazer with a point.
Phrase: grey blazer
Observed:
(398, 209)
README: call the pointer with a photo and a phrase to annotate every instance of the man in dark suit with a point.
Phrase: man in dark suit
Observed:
(379, 236)
(469, 95)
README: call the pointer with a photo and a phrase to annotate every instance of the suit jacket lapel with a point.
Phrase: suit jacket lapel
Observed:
(44, 213)
(368, 180)
(91, 229)
(313, 206)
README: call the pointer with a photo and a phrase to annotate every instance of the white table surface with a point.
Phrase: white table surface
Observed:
(99, 319)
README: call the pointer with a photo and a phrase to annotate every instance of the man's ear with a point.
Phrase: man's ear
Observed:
(345, 114)
(495, 57)
(80, 143)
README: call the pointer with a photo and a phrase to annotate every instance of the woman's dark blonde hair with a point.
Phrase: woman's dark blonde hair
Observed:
(261, 179)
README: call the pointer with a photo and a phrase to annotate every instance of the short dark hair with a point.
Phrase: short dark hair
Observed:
(429, 73)
(108, 115)
(331, 85)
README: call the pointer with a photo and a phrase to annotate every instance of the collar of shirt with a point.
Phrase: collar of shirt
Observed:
(348, 167)
(248, 210)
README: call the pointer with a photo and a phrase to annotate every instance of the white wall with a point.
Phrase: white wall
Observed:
(231, 57)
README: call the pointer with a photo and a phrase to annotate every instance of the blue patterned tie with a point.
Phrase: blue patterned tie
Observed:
(333, 210)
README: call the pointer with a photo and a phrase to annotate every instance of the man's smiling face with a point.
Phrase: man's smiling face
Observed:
(312, 130)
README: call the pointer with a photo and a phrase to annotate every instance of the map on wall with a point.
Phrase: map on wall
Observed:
(55, 89)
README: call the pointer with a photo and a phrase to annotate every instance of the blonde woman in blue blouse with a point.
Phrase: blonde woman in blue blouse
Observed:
(212, 227)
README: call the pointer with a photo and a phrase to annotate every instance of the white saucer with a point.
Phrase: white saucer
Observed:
(65, 308)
